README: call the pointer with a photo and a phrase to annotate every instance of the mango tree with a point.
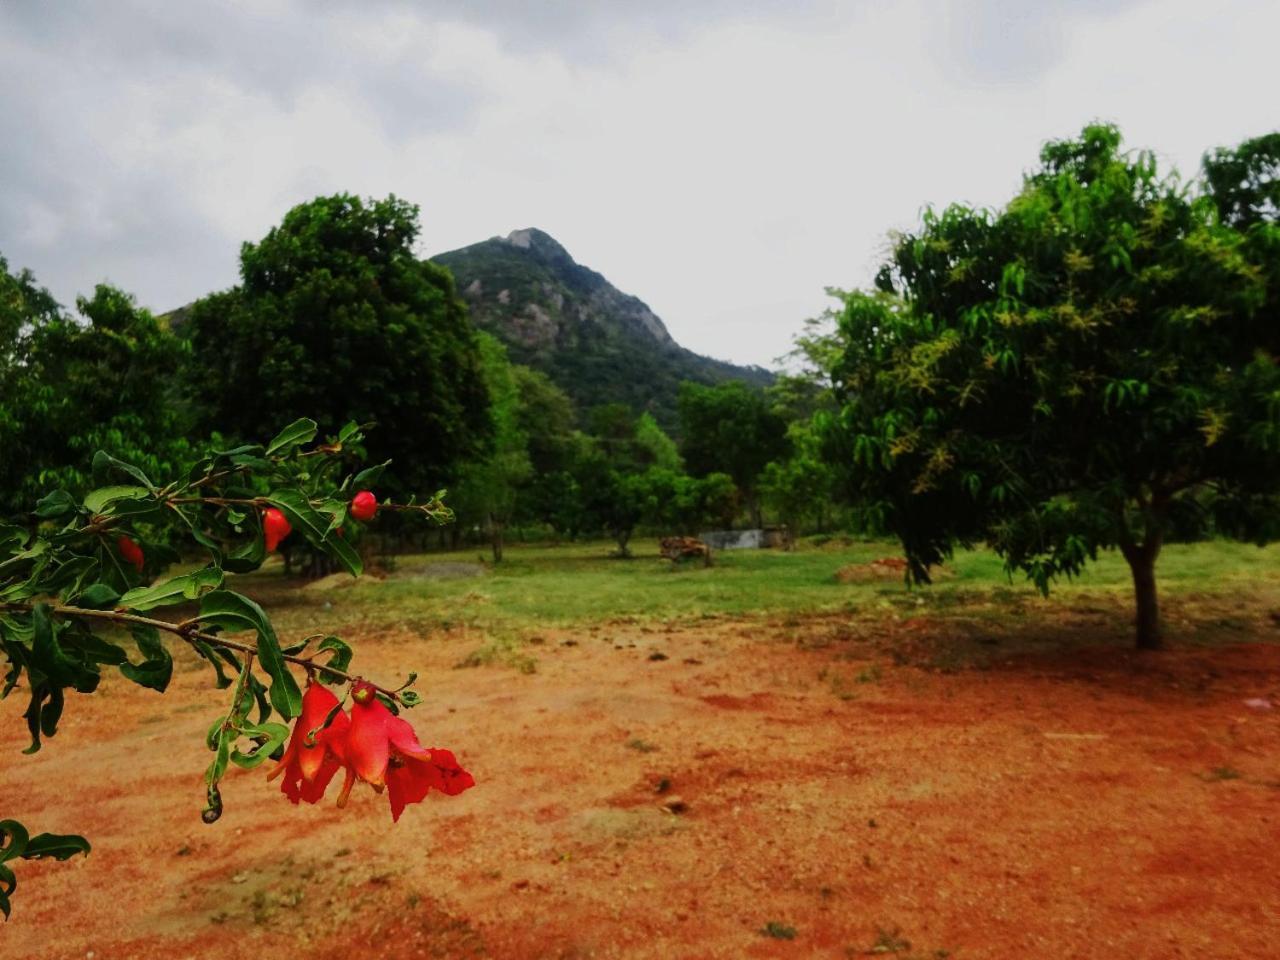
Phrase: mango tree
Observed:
(1090, 367)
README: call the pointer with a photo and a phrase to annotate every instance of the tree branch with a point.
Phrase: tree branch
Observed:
(187, 632)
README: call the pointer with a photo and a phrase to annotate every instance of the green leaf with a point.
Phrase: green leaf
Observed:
(103, 461)
(156, 669)
(93, 647)
(215, 658)
(345, 553)
(314, 525)
(291, 437)
(179, 589)
(341, 659)
(369, 476)
(233, 611)
(224, 738)
(59, 846)
(68, 577)
(13, 840)
(40, 692)
(8, 883)
(97, 499)
(54, 505)
(247, 557)
(48, 656)
(304, 518)
(96, 596)
(270, 736)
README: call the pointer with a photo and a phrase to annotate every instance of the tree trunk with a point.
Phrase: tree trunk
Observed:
(1142, 564)
(623, 539)
(495, 539)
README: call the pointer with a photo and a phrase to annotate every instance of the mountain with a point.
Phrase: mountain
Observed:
(597, 343)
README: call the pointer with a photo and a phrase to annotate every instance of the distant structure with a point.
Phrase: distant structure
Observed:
(747, 539)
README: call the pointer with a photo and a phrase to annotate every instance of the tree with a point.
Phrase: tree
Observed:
(1244, 182)
(730, 428)
(678, 503)
(336, 318)
(1068, 374)
(653, 447)
(488, 489)
(70, 387)
(613, 499)
(546, 417)
(799, 490)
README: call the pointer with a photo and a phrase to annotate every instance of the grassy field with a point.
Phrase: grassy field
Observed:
(538, 587)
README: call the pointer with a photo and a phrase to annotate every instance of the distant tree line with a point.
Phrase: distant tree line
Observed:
(336, 318)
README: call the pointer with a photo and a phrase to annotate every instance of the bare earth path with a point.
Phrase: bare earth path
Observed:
(1098, 805)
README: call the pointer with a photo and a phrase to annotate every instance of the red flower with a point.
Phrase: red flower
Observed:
(308, 768)
(275, 527)
(382, 750)
(130, 551)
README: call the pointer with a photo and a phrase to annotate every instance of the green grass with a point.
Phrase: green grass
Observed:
(546, 586)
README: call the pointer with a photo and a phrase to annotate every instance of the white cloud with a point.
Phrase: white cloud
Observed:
(725, 166)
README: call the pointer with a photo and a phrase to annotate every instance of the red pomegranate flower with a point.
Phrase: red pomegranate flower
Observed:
(308, 768)
(382, 750)
(275, 527)
(130, 551)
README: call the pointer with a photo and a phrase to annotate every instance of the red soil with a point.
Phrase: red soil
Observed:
(1101, 804)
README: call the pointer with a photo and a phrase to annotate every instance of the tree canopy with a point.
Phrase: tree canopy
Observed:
(72, 386)
(1080, 370)
(336, 318)
(730, 428)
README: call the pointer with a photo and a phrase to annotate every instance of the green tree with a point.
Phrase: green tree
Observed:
(678, 503)
(488, 490)
(799, 490)
(1070, 373)
(654, 447)
(336, 318)
(1244, 181)
(546, 417)
(614, 500)
(69, 387)
(730, 428)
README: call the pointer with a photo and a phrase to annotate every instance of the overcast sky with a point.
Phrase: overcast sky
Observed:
(724, 161)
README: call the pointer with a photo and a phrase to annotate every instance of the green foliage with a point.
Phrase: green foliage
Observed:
(655, 448)
(1067, 374)
(730, 428)
(70, 387)
(336, 318)
(799, 490)
(675, 502)
(1244, 181)
(487, 490)
(97, 561)
(546, 417)
(17, 844)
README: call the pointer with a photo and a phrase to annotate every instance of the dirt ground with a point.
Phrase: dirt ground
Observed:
(724, 788)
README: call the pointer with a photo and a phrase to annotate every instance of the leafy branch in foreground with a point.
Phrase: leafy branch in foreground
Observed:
(86, 573)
